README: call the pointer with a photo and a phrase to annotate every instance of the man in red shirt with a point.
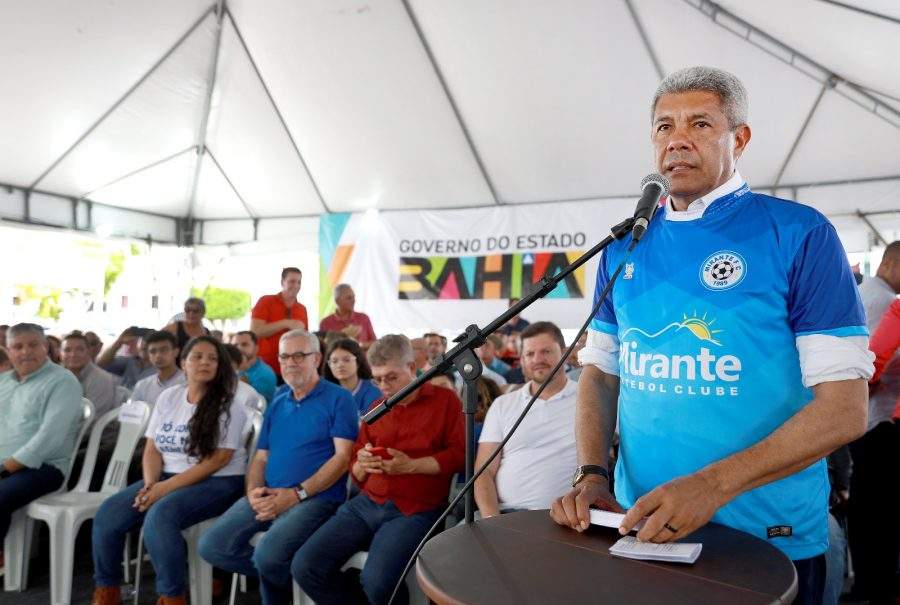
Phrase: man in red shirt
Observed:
(275, 314)
(346, 320)
(403, 464)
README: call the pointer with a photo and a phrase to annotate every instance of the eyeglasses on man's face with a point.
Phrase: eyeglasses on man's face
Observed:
(297, 357)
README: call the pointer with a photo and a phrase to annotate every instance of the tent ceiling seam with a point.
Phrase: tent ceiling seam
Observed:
(207, 108)
(137, 171)
(790, 154)
(712, 10)
(122, 99)
(863, 11)
(278, 113)
(660, 72)
(479, 161)
(244, 203)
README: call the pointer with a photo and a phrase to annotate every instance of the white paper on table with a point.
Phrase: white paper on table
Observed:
(673, 552)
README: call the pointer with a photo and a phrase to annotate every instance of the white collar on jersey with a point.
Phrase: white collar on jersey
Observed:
(696, 208)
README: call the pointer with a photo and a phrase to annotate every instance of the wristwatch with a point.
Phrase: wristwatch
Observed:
(300, 492)
(589, 469)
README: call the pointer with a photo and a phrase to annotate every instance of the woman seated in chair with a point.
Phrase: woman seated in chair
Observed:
(193, 466)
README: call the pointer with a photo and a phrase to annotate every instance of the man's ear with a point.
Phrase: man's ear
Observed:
(742, 136)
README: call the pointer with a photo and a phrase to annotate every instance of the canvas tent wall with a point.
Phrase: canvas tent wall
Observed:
(194, 121)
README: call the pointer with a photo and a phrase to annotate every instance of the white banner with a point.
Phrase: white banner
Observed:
(419, 271)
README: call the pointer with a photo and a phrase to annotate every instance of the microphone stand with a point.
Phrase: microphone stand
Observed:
(463, 359)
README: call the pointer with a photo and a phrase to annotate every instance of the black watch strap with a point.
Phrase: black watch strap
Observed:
(590, 469)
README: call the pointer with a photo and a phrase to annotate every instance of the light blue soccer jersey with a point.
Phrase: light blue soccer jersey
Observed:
(706, 313)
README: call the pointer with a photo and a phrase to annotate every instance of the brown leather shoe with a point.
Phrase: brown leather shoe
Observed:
(107, 595)
(179, 600)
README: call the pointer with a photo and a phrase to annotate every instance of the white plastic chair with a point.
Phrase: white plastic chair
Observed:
(17, 545)
(122, 394)
(358, 561)
(199, 571)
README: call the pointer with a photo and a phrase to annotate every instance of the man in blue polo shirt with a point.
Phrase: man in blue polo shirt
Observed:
(733, 349)
(297, 478)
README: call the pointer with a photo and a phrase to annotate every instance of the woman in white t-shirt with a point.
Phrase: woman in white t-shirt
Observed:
(193, 465)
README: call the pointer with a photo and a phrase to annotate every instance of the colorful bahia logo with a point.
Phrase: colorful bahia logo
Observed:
(702, 373)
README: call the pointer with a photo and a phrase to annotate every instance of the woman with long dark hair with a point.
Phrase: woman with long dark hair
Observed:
(346, 365)
(193, 465)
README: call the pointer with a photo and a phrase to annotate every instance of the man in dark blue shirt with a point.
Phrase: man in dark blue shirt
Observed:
(297, 477)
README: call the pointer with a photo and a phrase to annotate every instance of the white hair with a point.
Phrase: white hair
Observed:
(729, 89)
(311, 339)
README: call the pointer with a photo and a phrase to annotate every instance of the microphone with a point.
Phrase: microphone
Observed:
(653, 188)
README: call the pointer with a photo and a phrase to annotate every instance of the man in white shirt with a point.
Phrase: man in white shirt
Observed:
(535, 463)
(162, 349)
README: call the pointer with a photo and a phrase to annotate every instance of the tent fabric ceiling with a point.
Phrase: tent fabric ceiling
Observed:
(250, 110)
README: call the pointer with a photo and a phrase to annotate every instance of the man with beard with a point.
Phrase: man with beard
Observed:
(534, 466)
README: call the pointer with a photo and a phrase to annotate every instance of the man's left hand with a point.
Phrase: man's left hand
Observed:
(275, 502)
(675, 509)
(400, 464)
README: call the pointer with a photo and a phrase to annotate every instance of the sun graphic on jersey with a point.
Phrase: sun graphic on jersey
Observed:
(701, 328)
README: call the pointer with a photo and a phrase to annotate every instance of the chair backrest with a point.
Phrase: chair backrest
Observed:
(87, 415)
(122, 394)
(133, 419)
(251, 433)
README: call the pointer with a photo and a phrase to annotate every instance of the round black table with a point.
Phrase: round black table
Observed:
(525, 557)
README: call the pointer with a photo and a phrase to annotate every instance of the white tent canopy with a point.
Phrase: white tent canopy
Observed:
(225, 122)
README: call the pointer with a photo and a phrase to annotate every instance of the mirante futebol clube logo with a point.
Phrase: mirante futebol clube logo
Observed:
(648, 361)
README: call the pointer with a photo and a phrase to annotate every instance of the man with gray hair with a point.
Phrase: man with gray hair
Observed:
(40, 411)
(403, 464)
(297, 478)
(352, 323)
(735, 355)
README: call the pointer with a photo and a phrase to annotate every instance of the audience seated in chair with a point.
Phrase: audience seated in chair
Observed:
(488, 353)
(254, 370)
(3, 329)
(162, 350)
(347, 366)
(95, 345)
(297, 478)
(346, 320)
(243, 392)
(5, 363)
(135, 364)
(40, 408)
(435, 345)
(404, 486)
(98, 385)
(192, 324)
(535, 464)
(193, 466)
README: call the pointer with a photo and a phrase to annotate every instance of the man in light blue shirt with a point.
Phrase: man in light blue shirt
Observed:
(40, 409)
(254, 370)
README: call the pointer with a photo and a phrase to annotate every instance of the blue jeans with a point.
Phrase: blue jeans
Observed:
(810, 580)
(226, 544)
(835, 562)
(163, 524)
(360, 524)
(24, 487)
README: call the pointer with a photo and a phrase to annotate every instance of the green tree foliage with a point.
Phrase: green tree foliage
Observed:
(224, 303)
(114, 268)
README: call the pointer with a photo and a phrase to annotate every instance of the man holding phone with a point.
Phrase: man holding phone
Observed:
(403, 464)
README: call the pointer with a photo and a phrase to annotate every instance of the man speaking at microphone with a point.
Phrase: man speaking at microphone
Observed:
(733, 349)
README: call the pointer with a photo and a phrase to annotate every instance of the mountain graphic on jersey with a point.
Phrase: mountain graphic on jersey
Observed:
(684, 358)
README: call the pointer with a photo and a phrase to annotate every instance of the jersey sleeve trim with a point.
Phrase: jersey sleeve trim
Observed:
(839, 332)
(601, 351)
(604, 327)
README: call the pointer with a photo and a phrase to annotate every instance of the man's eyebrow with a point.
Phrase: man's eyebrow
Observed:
(691, 118)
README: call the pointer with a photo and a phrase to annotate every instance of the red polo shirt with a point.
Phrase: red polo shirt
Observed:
(271, 308)
(430, 425)
(333, 323)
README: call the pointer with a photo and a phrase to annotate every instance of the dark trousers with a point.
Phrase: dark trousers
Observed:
(810, 580)
(873, 522)
(23, 487)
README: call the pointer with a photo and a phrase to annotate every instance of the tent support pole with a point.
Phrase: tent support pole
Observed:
(122, 99)
(200, 144)
(871, 227)
(872, 104)
(790, 154)
(864, 11)
(453, 106)
(646, 40)
(284, 126)
(247, 209)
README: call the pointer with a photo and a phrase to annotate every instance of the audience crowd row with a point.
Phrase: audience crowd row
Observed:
(327, 485)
